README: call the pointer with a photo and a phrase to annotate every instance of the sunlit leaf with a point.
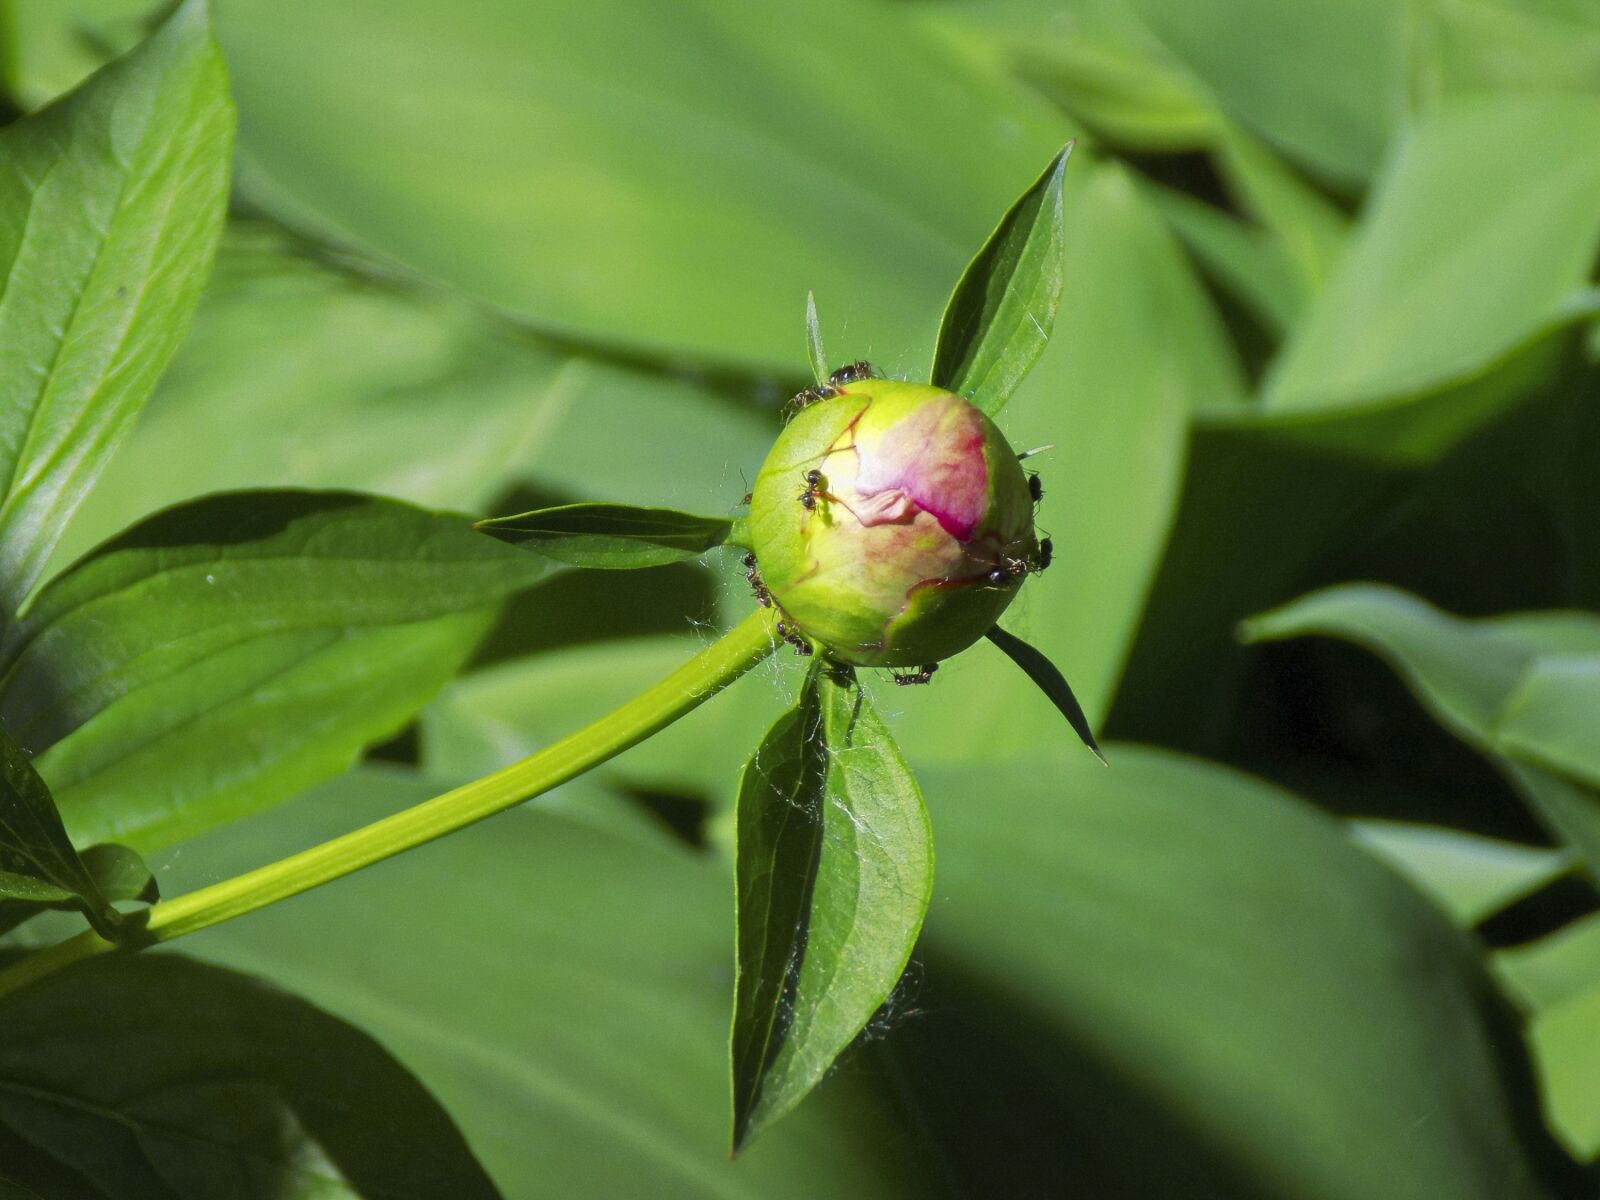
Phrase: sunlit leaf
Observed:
(225, 654)
(835, 870)
(1003, 308)
(110, 206)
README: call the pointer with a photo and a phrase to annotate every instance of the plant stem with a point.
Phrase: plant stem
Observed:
(713, 669)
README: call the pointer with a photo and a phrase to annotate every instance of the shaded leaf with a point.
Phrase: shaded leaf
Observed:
(110, 206)
(222, 1086)
(1049, 680)
(610, 536)
(835, 869)
(118, 874)
(38, 865)
(1003, 308)
(1477, 678)
(227, 653)
(1213, 978)
(579, 1035)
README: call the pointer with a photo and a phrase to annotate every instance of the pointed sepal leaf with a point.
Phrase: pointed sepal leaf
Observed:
(38, 865)
(814, 350)
(1000, 315)
(611, 537)
(834, 867)
(1050, 681)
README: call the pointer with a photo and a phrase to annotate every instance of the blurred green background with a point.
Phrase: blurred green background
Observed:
(1327, 927)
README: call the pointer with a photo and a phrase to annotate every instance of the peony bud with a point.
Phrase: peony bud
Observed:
(892, 524)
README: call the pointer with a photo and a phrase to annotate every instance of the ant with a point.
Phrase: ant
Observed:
(852, 373)
(1035, 488)
(1047, 551)
(1006, 570)
(808, 498)
(923, 674)
(810, 396)
(752, 575)
(794, 638)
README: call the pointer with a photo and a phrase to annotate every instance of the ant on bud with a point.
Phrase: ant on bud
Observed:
(923, 674)
(1047, 551)
(808, 498)
(793, 637)
(852, 373)
(1007, 570)
(810, 396)
(1035, 488)
(752, 575)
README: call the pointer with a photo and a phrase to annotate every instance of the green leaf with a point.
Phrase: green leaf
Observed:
(1049, 680)
(1207, 972)
(1244, 260)
(1136, 324)
(38, 865)
(1324, 82)
(110, 206)
(1521, 689)
(1471, 877)
(406, 392)
(118, 873)
(1566, 1046)
(835, 870)
(162, 1077)
(1450, 272)
(1557, 967)
(1101, 66)
(611, 537)
(563, 991)
(1003, 308)
(225, 654)
(814, 350)
(708, 178)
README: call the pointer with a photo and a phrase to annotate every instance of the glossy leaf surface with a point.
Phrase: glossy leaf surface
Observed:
(225, 654)
(1001, 313)
(111, 202)
(610, 536)
(834, 863)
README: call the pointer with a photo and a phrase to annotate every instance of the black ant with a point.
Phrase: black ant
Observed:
(752, 575)
(1006, 570)
(810, 396)
(923, 674)
(808, 498)
(852, 373)
(1047, 551)
(1035, 488)
(793, 637)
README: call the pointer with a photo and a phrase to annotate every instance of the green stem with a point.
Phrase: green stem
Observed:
(713, 669)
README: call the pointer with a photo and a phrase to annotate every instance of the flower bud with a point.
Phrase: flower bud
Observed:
(892, 524)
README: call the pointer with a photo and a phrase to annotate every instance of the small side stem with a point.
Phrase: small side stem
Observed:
(713, 669)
